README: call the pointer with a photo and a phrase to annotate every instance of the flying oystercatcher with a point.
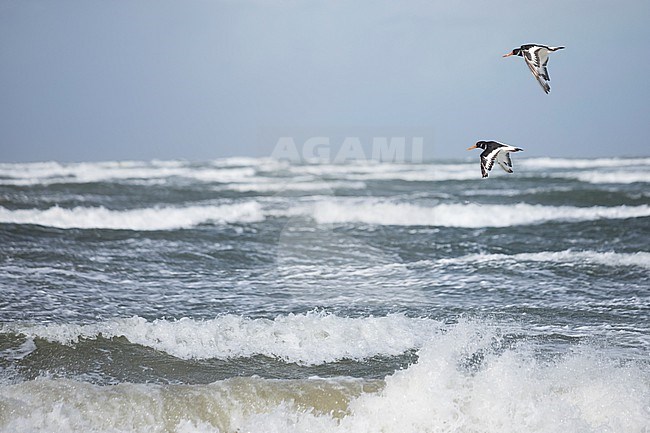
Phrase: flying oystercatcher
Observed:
(494, 151)
(536, 57)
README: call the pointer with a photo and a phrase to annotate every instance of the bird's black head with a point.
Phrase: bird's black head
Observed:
(478, 145)
(514, 52)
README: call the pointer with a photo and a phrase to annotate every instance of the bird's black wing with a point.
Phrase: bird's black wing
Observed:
(487, 160)
(484, 169)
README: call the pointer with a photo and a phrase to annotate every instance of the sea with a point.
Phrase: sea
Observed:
(257, 295)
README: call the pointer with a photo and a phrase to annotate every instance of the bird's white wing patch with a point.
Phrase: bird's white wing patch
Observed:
(504, 161)
(541, 56)
(536, 66)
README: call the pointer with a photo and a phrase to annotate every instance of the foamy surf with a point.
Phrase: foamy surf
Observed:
(462, 215)
(157, 218)
(466, 380)
(595, 163)
(640, 259)
(246, 171)
(49, 173)
(387, 172)
(307, 339)
(324, 211)
(549, 264)
(623, 177)
(275, 186)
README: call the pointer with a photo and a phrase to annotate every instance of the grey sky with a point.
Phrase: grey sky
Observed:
(114, 80)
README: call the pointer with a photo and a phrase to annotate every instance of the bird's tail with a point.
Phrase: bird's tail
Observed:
(555, 48)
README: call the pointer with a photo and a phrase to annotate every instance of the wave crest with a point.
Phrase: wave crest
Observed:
(466, 379)
(640, 259)
(163, 218)
(323, 212)
(308, 339)
(464, 215)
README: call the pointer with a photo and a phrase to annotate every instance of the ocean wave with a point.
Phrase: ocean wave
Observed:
(386, 171)
(598, 177)
(433, 174)
(466, 379)
(351, 167)
(463, 382)
(553, 163)
(461, 215)
(322, 211)
(308, 339)
(163, 218)
(247, 171)
(48, 173)
(640, 259)
(277, 185)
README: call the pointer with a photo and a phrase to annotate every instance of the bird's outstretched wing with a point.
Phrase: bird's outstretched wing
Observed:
(487, 160)
(484, 169)
(536, 59)
(504, 161)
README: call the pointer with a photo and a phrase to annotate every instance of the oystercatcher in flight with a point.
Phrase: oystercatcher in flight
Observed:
(494, 151)
(536, 57)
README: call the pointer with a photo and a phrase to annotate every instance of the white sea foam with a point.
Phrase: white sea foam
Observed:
(311, 338)
(405, 172)
(86, 172)
(244, 170)
(275, 185)
(553, 163)
(465, 381)
(358, 167)
(244, 161)
(431, 174)
(461, 215)
(163, 218)
(509, 392)
(624, 177)
(228, 175)
(640, 259)
(54, 172)
(323, 211)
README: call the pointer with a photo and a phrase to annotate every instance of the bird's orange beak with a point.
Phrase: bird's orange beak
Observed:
(470, 148)
(508, 55)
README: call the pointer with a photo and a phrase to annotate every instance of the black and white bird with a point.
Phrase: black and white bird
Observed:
(495, 151)
(536, 57)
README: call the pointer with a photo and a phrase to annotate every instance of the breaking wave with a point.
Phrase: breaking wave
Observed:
(163, 218)
(623, 177)
(553, 163)
(46, 173)
(249, 174)
(322, 211)
(309, 339)
(464, 215)
(467, 379)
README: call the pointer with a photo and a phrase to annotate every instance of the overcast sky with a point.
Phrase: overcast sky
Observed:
(89, 80)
